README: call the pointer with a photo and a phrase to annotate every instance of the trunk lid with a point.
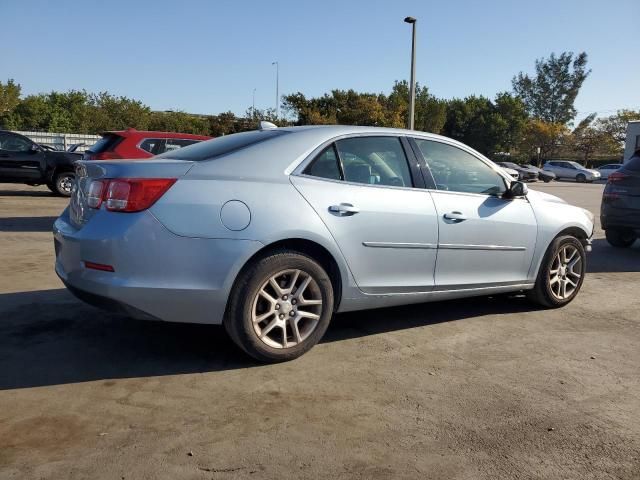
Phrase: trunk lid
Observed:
(87, 171)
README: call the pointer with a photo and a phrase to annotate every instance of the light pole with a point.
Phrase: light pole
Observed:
(412, 87)
(277, 89)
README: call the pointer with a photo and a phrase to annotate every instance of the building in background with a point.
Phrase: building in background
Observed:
(62, 141)
(633, 139)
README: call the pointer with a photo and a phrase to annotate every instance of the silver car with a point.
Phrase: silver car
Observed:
(572, 170)
(271, 232)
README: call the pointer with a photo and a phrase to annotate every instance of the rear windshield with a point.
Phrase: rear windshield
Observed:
(106, 143)
(222, 145)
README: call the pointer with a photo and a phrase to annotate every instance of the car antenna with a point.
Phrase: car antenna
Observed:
(267, 125)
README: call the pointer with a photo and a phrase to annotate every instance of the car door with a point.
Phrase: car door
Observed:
(364, 191)
(20, 159)
(484, 239)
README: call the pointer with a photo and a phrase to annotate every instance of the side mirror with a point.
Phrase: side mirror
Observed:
(517, 189)
(35, 147)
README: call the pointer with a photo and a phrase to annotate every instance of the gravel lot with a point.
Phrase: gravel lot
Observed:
(477, 389)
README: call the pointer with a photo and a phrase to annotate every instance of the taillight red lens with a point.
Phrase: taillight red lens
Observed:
(617, 177)
(106, 156)
(128, 194)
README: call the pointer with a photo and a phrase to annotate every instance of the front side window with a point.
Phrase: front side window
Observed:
(14, 143)
(374, 161)
(455, 170)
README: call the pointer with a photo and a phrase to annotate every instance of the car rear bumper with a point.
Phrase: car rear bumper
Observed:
(157, 274)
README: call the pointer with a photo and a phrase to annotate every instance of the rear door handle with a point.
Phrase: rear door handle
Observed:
(344, 209)
(455, 216)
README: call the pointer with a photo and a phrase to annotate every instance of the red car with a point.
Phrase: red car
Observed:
(132, 143)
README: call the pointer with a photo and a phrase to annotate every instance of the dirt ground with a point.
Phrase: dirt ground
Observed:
(477, 389)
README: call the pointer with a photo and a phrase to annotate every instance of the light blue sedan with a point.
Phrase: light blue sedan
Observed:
(271, 232)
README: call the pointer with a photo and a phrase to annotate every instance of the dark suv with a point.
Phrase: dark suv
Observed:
(24, 161)
(620, 210)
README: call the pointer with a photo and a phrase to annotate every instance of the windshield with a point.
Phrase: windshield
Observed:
(576, 165)
(221, 145)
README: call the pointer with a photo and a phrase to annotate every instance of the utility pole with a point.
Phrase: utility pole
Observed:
(412, 86)
(253, 107)
(277, 89)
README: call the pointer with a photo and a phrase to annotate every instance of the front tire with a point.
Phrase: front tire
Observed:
(581, 178)
(280, 306)
(620, 237)
(62, 183)
(561, 273)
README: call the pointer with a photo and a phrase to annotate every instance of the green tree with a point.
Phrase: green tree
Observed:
(550, 94)
(9, 96)
(549, 137)
(615, 126)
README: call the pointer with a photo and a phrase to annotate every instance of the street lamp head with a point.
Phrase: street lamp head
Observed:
(410, 20)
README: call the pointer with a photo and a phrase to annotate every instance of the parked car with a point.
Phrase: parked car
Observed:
(544, 175)
(525, 174)
(572, 170)
(271, 232)
(24, 161)
(606, 170)
(620, 208)
(132, 143)
(511, 172)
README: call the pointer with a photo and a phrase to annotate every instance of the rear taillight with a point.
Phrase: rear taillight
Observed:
(106, 156)
(617, 177)
(127, 194)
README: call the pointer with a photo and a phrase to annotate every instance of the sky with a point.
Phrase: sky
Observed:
(208, 56)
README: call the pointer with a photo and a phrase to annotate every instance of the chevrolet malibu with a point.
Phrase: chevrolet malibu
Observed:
(271, 232)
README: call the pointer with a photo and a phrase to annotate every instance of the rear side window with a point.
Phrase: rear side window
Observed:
(107, 143)
(172, 144)
(325, 165)
(222, 145)
(154, 146)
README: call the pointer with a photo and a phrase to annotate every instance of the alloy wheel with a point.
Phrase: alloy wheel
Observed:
(286, 309)
(565, 272)
(65, 184)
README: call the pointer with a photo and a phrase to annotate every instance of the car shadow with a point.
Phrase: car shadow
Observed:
(26, 224)
(605, 258)
(50, 338)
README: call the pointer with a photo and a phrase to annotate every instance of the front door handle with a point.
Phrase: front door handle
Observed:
(344, 209)
(455, 216)
(4, 155)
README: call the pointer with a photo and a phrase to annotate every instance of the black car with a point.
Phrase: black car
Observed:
(545, 175)
(620, 209)
(525, 174)
(24, 161)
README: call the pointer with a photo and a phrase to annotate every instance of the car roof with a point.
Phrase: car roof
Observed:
(132, 132)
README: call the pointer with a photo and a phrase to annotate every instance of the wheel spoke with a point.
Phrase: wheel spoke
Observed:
(294, 328)
(303, 286)
(302, 313)
(268, 328)
(276, 287)
(267, 297)
(263, 317)
(294, 279)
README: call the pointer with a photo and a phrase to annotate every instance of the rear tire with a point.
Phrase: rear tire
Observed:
(547, 180)
(280, 306)
(62, 183)
(561, 273)
(620, 237)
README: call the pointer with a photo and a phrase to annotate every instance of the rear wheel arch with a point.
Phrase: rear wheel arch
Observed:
(307, 247)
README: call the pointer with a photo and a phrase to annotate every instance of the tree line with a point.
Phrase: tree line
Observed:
(536, 116)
